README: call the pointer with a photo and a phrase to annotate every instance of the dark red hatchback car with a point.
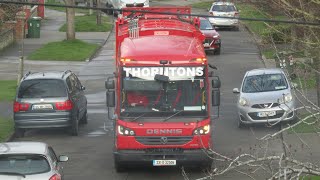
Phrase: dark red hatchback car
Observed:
(212, 43)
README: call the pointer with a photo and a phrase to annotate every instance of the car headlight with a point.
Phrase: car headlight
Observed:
(285, 99)
(202, 130)
(216, 36)
(243, 102)
(125, 131)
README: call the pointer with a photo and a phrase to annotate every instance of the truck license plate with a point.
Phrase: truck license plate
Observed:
(164, 162)
(266, 114)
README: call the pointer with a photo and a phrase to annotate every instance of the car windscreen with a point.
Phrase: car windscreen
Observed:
(205, 25)
(264, 83)
(25, 164)
(223, 8)
(42, 88)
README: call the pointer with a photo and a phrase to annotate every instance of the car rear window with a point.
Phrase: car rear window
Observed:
(24, 164)
(42, 88)
(223, 8)
(205, 25)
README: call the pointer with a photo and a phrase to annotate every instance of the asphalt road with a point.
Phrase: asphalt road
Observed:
(91, 152)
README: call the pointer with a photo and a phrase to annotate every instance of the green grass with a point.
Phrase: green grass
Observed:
(62, 9)
(7, 90)
(308, 83)
(202, 5)
(75, 50)
(249, 11)
(310, 178)
(88, 23)
(6, 128)
(305, 128)
(269, 53)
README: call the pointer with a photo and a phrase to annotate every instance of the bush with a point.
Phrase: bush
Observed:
(279, 34)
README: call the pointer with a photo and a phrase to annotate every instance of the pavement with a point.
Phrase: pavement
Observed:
(9, 58)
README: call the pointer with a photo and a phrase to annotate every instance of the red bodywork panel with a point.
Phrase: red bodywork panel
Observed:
(129, 142)
(156, 37)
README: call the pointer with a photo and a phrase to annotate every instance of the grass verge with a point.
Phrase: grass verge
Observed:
(7, 90)
(74, 50)
(202, 5)
(6, 128)
(306, 128)
(62, 9)
(88, 23)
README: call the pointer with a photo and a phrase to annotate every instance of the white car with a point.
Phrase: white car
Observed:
(224, 9)
(30, 161)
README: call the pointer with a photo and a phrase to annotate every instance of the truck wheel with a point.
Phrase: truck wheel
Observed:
(217, 51)
(19, 133)
(118, 166)
(84, 119)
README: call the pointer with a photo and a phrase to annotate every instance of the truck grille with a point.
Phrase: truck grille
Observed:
(207, 41)
(163, 150)
(265, 105)
(164, 140)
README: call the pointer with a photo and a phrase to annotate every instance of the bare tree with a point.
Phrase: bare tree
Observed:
(70, 15)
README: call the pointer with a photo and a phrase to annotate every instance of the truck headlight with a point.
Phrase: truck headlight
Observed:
(215, 36)
(125, 131)
(285, 99)
(243, 102)
(202, 130)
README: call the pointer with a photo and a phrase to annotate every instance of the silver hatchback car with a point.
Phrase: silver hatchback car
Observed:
(265, 96)
(224, 9)
(30, 161)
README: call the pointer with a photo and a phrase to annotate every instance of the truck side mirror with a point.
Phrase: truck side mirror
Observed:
(111, 98)
(216, 83)
(215, 95)
(109, 84)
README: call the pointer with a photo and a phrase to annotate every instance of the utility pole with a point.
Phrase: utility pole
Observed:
(98, 13)
(21, 18)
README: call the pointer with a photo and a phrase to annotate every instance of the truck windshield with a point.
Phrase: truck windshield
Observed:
(143, 97)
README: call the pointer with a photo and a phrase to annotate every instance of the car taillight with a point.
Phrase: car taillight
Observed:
(55, 177)
(17, 107)
(66, 105)
(236, 14)
(211, 13)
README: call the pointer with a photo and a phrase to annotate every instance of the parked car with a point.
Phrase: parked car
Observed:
(212, 42)
(224, 9)
(265, 96)
(30, 161)
(50, 100)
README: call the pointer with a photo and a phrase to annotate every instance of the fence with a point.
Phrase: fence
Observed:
(6, 38)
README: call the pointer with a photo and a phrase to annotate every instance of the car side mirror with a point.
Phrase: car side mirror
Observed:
(111, 98)
(236, 90)
(294, 85)
(83, 88)
(63, 158)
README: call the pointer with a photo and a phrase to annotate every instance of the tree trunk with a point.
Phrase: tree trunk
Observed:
(99, 21)
(70, 15)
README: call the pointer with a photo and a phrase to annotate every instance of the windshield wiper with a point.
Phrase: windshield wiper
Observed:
(138, 117)
(166, 119)
(13, 174)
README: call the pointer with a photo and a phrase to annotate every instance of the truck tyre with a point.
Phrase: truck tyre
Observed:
(217, 51)
(84, 119)
(118, 166)
(19, 133)
(75, 126)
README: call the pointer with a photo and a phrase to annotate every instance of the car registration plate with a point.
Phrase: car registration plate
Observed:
(42, 106)
(164, 162)
(266, 114)
(206, 45)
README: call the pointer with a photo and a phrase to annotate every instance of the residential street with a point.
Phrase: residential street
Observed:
(90, 153)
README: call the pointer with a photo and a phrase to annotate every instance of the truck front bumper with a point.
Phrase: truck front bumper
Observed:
(183, 158)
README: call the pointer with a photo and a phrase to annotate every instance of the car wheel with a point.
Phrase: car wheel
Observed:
(236, 28)
(19, 133)
(84, 119)
(75, 126)
(241, 124)
(118, 166)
